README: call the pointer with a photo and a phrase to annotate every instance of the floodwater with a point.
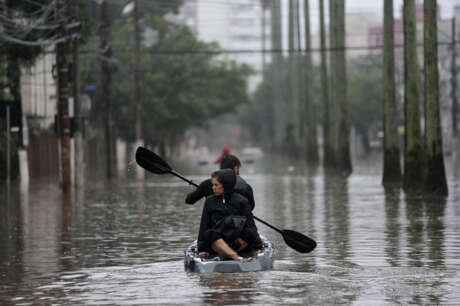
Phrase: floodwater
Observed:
(122, 243)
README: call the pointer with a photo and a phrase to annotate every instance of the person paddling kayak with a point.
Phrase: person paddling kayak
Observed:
(227, 224)
(229, 161)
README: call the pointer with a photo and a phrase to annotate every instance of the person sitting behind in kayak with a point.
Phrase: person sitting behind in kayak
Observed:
(227, 224)
(242, 187)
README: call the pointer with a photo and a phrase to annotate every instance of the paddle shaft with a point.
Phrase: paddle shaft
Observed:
(183, 178)
(269, 225)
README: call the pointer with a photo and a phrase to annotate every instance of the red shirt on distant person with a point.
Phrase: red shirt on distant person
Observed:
(225, 151)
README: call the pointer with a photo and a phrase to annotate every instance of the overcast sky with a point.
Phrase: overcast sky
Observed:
(446, 7)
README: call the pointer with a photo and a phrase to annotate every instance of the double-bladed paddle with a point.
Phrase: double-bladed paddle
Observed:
(154, 163)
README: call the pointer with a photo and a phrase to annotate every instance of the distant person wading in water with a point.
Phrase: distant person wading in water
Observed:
(225, 151)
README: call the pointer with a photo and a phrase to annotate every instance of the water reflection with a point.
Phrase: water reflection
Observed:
(229, 289)
(414, 213)
(66, 234)
(435, 229)
(122, 242)
(336, 218)
(392, 228)
(11, 232)
(434, 226)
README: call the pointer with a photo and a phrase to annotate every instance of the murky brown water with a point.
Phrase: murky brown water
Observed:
(123, 243)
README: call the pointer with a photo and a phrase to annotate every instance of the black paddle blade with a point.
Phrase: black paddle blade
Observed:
(298, 241)
(151, 162)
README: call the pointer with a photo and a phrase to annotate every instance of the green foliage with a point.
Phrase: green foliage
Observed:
(260, 115)
(183, 84)
(365, 87)
(365, 94)
(159, 7)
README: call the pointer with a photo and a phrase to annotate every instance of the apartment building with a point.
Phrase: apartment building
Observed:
(235, 25)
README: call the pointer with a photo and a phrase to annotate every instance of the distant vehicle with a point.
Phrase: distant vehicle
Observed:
(250, 154)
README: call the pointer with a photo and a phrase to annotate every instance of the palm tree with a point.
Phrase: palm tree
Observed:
(391, 152)
(328, 149)
(435, 176)
(311, 137)
(412, 178)
(277, 59)
(340, 88)
(292, 107)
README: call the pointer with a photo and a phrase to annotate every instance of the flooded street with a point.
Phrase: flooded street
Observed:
(123, 243)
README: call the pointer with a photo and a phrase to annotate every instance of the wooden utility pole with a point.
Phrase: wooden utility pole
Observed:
(137, 82)
(63, 122)
(78, 127)
(454, 92)
(8, 157)
(106, 67)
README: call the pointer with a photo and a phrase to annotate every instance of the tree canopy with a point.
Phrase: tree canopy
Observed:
(365, 96)
(184, 83)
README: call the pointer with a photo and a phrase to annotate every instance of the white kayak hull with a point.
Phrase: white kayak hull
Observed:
(260, 262)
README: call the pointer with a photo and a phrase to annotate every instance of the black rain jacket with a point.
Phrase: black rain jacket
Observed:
(205, 190)
(217, 208)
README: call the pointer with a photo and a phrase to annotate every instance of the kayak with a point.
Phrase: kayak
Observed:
(249, 263)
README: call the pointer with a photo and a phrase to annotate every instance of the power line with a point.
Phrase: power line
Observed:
(40, 42)
(242, 51)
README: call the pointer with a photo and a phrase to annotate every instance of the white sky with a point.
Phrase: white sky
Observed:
(377, 5)
(446, 7)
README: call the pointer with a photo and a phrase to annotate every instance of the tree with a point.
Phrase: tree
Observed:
(333, 80)
(277, 97)
(339, 84)
(310, 114)
(26, 27)
(259, 116)
(184, 84)
(106, 85)
(291, 108)
(434, 176)
(19, 43)
(328, 148)
(391, 152)
(364, 77)
(412, 179)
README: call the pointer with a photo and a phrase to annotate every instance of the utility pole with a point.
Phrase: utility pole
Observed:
(63, 122)
(8, 158)
(78, 127)
(137, 82)
(454, 93)
(263, 10)
(106, 53)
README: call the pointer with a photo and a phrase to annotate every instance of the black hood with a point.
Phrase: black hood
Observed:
(227, 178)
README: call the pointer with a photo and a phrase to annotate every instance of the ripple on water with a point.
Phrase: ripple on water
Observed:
(125, 245)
